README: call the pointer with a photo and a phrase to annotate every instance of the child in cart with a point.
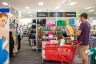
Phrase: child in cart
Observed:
(61, 40)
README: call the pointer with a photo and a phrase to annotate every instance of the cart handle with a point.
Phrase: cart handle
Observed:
(79, 43)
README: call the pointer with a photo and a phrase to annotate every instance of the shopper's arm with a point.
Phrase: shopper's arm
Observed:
(91, 31)
(78, 33)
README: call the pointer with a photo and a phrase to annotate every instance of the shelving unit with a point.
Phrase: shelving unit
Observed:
(54, 16)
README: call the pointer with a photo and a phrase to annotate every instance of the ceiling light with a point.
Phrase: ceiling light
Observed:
(4, 3)
(89, 7)
(39, 10)
(27, 7)
(72, 3)
(61, 10)
(30, 15)
(41, 3)
(29, 12)
(91, 10)
(57, 7)
(94, 13)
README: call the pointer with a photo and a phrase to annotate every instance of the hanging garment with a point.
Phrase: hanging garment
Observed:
(3, 52)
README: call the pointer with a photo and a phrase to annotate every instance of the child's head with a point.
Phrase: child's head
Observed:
(3, 19)
(60, 36)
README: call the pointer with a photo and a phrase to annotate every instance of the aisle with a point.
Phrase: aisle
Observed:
(27, 56)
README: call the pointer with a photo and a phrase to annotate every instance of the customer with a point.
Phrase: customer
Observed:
(19, 42)
(11, 42)
(4, 36)
(83, 36)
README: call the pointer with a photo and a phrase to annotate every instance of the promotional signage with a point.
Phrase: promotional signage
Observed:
(42, 14)
(5, 10)
(70, 14)
(56, 14)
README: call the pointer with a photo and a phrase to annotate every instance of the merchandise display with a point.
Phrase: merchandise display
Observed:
(54, 38)
(92, 54)
(48, 32)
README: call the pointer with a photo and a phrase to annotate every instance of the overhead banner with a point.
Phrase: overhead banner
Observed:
(5, 10)
(56, 14)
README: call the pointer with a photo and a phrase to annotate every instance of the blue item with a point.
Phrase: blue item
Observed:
(72, 21)
(75, 37)
(91, 41)
(3, 52)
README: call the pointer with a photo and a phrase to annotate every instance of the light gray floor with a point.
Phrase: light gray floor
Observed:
(27, 56)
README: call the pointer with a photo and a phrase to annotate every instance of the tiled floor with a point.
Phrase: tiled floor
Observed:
(27, 56)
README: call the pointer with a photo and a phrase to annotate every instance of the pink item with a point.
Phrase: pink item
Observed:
(51, 32)
(49, 23)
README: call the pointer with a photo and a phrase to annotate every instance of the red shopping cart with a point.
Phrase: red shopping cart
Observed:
(64, 53)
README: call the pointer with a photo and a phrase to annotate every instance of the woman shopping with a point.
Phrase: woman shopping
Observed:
(4, 36)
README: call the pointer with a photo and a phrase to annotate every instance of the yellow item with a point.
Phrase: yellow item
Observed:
(72, 38)
(67, 21)
(71, 30)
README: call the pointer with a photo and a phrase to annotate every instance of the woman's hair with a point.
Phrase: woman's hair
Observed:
(3, 15)
(60, 36)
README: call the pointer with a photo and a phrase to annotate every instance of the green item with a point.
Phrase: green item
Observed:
(60, 32)
(92, 58)
(61, 23)
(48, 29)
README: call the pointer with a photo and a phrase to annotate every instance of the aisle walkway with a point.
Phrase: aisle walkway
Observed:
(27, 56)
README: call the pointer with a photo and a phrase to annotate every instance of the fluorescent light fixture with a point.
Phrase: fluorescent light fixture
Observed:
(61, 10)
(4, 3)
(29, 12)
(94, 13)
(91, 10)
(30, 15)
(72, 3)
(89, 7)
(27, 7)
(41, 3)
(57, 7)
(39, 10)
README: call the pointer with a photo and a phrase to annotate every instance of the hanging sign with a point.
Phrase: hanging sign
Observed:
(69, 14)
(56, 14)
(42, 14)
(5, 10)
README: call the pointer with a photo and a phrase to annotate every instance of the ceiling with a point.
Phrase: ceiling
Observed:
(50, 5)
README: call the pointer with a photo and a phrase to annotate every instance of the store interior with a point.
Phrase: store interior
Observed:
(35, 23)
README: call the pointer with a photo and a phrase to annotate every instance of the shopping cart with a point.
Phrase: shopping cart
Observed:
(64, 53)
